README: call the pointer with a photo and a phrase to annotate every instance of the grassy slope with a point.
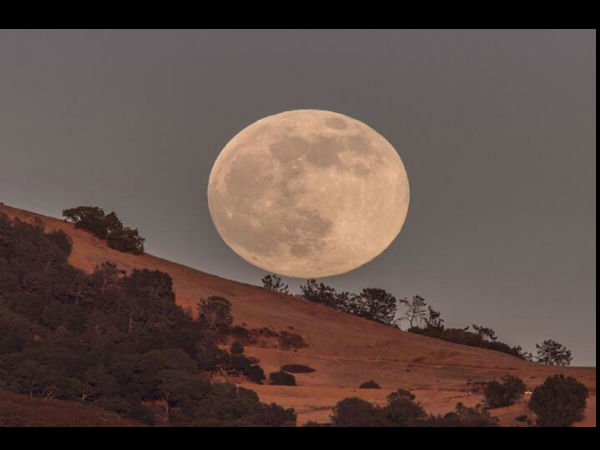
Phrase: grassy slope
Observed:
(345, 350)
(22, 411)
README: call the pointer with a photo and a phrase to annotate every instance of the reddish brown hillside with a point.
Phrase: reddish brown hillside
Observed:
(23, 411)
(345, 350)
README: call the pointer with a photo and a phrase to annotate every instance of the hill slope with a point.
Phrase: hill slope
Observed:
(345, 350)
(22, 411)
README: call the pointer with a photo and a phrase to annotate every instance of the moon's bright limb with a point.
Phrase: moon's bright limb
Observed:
(308, 193)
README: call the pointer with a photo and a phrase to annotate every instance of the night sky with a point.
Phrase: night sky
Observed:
(497, 130)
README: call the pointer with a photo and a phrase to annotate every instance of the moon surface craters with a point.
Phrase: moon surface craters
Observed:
(308, 193)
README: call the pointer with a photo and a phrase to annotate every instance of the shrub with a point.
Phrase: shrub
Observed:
(356, 412)
(141, 413)
(505, 393)
(559, 401)
(369, 385)
(255, 374)
(282, 378)
(402, 410)
(236, 348)
(297, 368)
(400, 394)
(313, 424)
(463, 416)
(291, 340)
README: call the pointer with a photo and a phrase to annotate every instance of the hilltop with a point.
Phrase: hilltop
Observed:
(345, 350)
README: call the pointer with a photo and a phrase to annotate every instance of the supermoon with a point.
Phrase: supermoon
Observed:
(308, 193)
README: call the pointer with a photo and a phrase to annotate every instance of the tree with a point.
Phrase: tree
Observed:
(377, 304)
(90, 218)
(126, 240)
(485, 333)
(107, 227)
(559, 401)
(319, 293)
(552, 353)
(415, 313)
(434, 319)
(273, 282)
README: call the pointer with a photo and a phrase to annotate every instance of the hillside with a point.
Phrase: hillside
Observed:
(345, 350)
(22, 411)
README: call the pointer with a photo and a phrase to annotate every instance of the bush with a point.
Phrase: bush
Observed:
(291, 340)
(255, 374)
(402, 410)
(463, 416)
(559, 401)
(282, 378)
(356, 412)
(236, 348)
(505, 393)
(369, 385)
(297, 368)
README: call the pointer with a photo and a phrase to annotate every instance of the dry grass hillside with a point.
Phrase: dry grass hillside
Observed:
(22, 411)
(345, 350)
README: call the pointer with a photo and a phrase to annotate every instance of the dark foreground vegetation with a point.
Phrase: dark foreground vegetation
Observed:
(116, 341)
(381, 306)
(558, 402)
(402, 410)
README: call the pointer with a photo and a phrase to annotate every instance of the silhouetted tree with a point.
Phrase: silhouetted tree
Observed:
(319, 293)
(126, 240)
(434, 319)
(552, 353)
(485, 333)
(273, 282)
(107, 227)
(415, 312)
(90, 218)
(376, 304)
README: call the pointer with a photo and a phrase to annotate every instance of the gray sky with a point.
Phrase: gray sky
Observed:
(496, 130)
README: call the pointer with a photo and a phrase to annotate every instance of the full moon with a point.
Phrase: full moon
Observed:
(308, 193)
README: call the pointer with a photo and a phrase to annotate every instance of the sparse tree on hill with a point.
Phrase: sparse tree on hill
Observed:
(434, 319)
(319, 293)
(273, 282)
(89, 218)
(485, 333)
(552, 353)
(415, 313)
(376, 304)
